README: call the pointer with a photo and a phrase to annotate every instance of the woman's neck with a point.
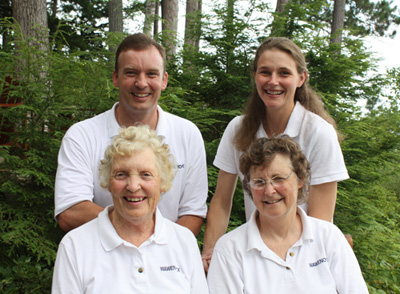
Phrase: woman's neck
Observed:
(276, 121)
(132, 232)
(281, 233)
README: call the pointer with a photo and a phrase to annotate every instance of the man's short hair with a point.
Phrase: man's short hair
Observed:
(139, 42)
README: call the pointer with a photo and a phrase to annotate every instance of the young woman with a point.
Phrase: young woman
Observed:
(282, 103)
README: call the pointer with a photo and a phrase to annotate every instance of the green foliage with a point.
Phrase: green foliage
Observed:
(299, 18)
(372, 17)
(362, 17)
(368, 206)
(66, 85)
(229, 38)
(54, 91)
(81, 24)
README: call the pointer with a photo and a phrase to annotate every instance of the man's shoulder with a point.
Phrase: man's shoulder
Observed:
(90, 125)
(178, 127)
(178, 120)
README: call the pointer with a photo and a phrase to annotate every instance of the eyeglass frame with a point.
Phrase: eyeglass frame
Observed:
(276, 184)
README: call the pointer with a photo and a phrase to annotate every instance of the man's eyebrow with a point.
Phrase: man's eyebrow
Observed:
(135, 69)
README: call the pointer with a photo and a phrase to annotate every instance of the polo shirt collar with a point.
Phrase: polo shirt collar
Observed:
(254, 240)
(162, 124)
(112, 123)
(160, 235)
(308, 233)
(295, 119)
(113, 126)
(293, 126)
(110, 239)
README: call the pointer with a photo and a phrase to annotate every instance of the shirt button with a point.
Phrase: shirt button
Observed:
(288, 268)
(140, 270)
(291, 253)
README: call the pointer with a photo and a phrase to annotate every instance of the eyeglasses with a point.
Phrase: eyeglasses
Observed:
(260, 184)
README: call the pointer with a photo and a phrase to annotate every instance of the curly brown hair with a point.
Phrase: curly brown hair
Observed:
(263, 150)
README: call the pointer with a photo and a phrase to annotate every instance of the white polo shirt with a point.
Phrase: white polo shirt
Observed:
(316, 137)
(321, 261)
(83, 147)
(94, 259)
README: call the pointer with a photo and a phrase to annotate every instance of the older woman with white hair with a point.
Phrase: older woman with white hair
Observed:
(130, 247)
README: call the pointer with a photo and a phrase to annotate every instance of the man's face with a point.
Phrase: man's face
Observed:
(140, 79)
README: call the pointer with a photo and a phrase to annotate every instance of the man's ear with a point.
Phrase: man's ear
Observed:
(164, 81)
(115, 78)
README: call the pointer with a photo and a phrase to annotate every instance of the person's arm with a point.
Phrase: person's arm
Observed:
(322, 201)
(74, 183)
(65, 275)
(344, 266)
(192, 222)
(78, 215)
(224, 276)
(218, 214)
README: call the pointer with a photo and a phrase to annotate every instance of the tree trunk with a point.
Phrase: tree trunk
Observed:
(157, 13)
(149, 16)
(31, 16)
(115, 16)
(170, 10)
(200, 9)
(54, 8)
(280, 5)
(229, 32)
(6, 12)
(193, 23)
(32, 19)
(338, 21)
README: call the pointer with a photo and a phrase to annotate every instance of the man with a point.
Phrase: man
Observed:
(140, 77)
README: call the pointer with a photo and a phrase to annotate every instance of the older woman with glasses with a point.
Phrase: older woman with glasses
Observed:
(130, 247)
(281, 249)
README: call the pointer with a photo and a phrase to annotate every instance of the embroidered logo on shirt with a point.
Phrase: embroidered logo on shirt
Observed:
(180, 166)
(170, 268)
(318, 262)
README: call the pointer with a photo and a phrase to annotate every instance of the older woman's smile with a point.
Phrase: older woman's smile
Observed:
(272, 201)
(134, 199)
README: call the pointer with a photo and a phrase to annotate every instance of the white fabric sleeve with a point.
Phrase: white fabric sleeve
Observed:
(227, 156)
(326, 158)
(223, 275)
(74, 178)
(198, 278)
(65, 274)
(194, 197)
(345, 268)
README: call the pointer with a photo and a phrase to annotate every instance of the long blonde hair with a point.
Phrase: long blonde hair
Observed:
(255, 112)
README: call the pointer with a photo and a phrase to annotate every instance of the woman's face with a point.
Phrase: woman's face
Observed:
(280, 200)
(135, 186)
(277, 79)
